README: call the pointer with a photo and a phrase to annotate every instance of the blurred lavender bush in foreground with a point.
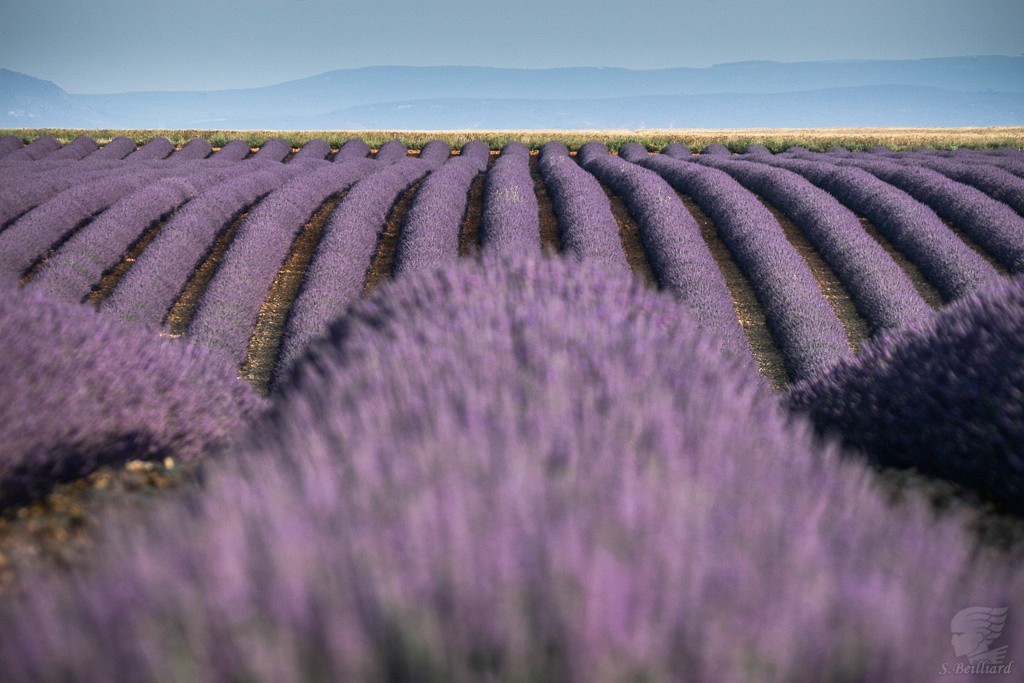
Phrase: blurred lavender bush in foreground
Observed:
(562, 480)
(81, 390)
(945, 396)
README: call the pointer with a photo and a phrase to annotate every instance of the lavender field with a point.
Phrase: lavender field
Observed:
(337, 413)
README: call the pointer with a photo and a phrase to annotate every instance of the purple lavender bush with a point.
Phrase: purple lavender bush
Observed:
(352, 149)
(30, 237)
(337, 271)
(118, 148)
(274, 149)
(943, 397)
(997, 182)
(949, 265)
(9, 144)
(430, 231)
(993, 225)
(156, 149)
(229, 307)
(234, 150)
(314, 150)
(81, 390)
(391, 151)
(77, 149)
(511, 219)
(881, 291)
(79, 264)
(586, 225)
(193, 150)
(802, 323)
(560, 481)
(147, 291)
(37, 149)
(673, 243)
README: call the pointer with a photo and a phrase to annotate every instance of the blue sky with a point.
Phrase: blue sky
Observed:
(117, 45)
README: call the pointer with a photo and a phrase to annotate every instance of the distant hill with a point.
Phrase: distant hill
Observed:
(961, 91)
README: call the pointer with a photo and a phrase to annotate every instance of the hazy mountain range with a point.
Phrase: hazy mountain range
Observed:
(958, 91)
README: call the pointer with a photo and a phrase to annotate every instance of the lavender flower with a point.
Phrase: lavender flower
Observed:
(391, 151)
(586, 226)
(511, 218)
(274, 149)
(881, 291)
(9, 144)
(235, 150)
(802, 323)
(147, 291)
(193, 150)
(229, 307)
(949, 264)
(156, 149)
(79, 148)
(942, 397)
(560, 481)
(353, 149)
(316, 150)
(337, 271)
(118, 148)
(82, 390)
(430, 231)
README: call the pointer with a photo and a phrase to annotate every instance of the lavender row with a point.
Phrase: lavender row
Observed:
(352, 149)
(21, 192)
(9, 144)
(560, 481)
(229, 308)
(146, 292)
(82, 390)
(71, 272)
(235, 150)
(511, 218)
(274, 149)
(391, 151)
(314, 150)
(30, 237)
(79, 148)
(37, 149)
(193, 150)
(941, 398)
(801, 321)
(949, 265)
(991, 224)
(156, 149)
(337, 271)
(997, 182)
(586, 227)
(430, 231)
(881, 291)
(673, 243)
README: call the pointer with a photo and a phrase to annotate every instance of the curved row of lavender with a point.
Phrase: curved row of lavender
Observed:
(37, 149)
(430, 232)
(193, 150)
(511, 218)
(161, 271)
(993, 225)
(943, 398)
(83, 390)
(391, 151)
(672, 240)
(10, 144)
(802, 323)
(79, 264)
(997, 182)
(30, 237)
(586, 225)
(882, 293)
(944, 259)
(337, 271)
(79, 148)
(229, 307)
(563, 480)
